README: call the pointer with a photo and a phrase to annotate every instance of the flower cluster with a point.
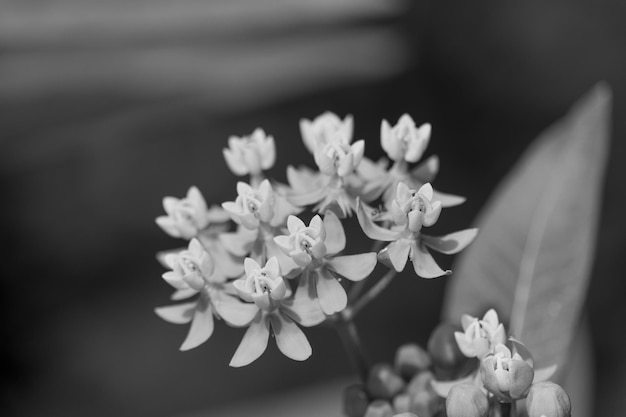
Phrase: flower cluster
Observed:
(501, 371)
(273, 258)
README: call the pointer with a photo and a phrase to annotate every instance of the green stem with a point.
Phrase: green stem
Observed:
(351, 342)
(373, 292)
(508, 409)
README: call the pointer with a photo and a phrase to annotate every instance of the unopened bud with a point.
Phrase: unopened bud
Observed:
(466, 400)
(355, 401)
(402, 403)
(411, 359)
(448, 360)
(506, 376)
(379, 408)
(425, 403)
(548, 399)
(383, 382)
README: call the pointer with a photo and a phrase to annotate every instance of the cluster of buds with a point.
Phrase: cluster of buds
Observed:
(275, 273)
(482, 369)
(402, 389)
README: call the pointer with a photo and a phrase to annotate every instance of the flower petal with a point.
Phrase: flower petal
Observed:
(177, 314)
(201, 326)
(234, 311)
(466, 347)
(332, 295)
(303, 308)
(424, 264)
(182, 294)
(371, 229)
(254, 342)
(448, 200)
(396, 254)
(353, 267)
(290, 339)
(451, 243)
(335, 236)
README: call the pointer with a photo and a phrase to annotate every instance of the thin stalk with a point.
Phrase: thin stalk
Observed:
(373, 292)
(351, 342)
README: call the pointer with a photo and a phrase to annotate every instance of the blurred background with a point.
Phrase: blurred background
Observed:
(106, 107)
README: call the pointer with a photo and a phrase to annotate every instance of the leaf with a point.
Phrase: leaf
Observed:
(532, 259)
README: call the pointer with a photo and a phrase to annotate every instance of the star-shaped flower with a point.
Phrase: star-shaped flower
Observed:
(324, 129)
(277, 312)
(186, 217)
(479, 337)
(404, 141)
(192, 273)
(410, 211)
(250, 154)
(316, 248)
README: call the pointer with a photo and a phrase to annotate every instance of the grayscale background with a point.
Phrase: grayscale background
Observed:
(107, 106)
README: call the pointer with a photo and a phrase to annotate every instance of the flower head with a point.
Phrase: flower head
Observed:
(188, 216)
(415, 208)
(250, 154)
(190, 269)
(479, 337)
(337, 157)
(252, 205)
(304, 243)
(549, 400)
(404, 141)
(506, 375)
(326, 128)
(316, 248)
(261, 285)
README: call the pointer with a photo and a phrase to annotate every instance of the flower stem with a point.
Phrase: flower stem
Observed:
(508, 409)
(350, 339)
(373, 292)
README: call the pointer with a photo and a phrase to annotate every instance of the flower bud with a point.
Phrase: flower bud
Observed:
(466, 400)
(383, 382)
(425, 403)
(548, 399)
(448, 360)
(402, 403)
(506, 376)
(355, 401)
(411, 359)
(420, 382)
(379, 408)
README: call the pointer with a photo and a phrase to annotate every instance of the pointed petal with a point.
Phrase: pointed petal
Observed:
(288, 267)
(332, 296)
(396, 254)
(234, 311)
(424, 264)
(466, 347)
(168, 226)
(371, 229)
(250, 266)
(201, 326)
(448, 200)
(466, 320)
(294, 224)
(177, 314)
(254, 342)
(284, 243)
(290, 339)
(335, 236)
(353, 267)
(426, 190)
(491, 317)
(182, 294)
(451, 243)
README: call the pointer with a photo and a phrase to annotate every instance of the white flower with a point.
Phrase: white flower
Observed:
(415, 208)
(250, 154)
(187, 216)
(479, 337)
(303, 243)
(404, 141)
(338, 157)
(261, 285)
(190, 269)
(325, 128)
(252, 206)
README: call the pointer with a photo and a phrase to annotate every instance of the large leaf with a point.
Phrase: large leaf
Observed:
(534, 251)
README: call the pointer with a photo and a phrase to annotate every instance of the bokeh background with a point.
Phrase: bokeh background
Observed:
(106, 107)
